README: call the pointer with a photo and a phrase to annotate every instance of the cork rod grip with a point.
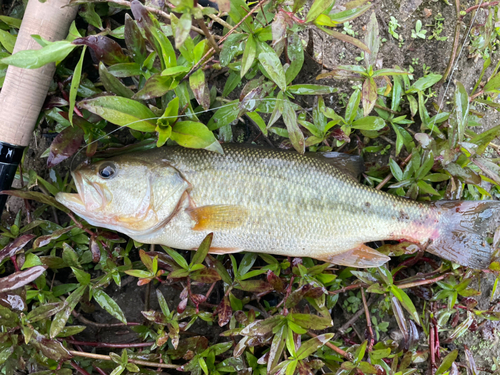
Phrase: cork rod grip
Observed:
(24, 90)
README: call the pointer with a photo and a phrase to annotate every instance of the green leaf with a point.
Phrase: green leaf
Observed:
(224, 115)
(36, 196)
(43, 312)
(396, 169)
(122, 111)
(308, 89)
(32, 59)
(389, 72)
(352, 106)
(310, 346)
(294, 132)
(108, 304)
(255, 117)
(232, 82)
(11, 21)
(248, 55)
(272, 65)
(369, 95)
(201, 253)
(406, 302)
(139, 273)
(461, 110)
(349, 14)
(181, 28)
(345, 38)
(111, 83)
(426, 82)
(200, 89)
(179, 259)
(62, 316)
(484, 139)
(447, 362)
(372, 40)
(493, 85)
(156, 86)
(7, 40)
(75, 82)
(82, 276)
(193, 134)
(426, 188)
(295, 52)
(231, 47)
(369, 123)
(318, 7)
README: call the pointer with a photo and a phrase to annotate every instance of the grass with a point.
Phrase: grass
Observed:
(275, 313)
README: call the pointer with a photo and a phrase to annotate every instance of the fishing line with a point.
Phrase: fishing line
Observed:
(166, 117)
(458, 57)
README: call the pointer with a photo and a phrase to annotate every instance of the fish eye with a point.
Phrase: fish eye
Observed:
(107, 170)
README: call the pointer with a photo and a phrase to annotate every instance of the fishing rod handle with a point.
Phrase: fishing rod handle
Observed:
(25, 90)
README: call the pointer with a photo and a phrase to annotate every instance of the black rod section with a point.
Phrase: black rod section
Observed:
(10, 157)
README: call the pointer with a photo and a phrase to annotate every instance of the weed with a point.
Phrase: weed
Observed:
(418, 32)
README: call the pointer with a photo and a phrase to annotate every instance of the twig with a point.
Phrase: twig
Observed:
(109, 344)
(212, 50)
(78, 368)
(217, 19)
(336, 349)
(136, 361)
(456, 41)
(368, 321)
(422, 282)
(386, 109)
(209, 36)
(347, 288)
(101, 325)
(157, 12)
(99, 370)
(483, 5)
(401, 286)
(384, 181)
(389, 176)
(355, 317)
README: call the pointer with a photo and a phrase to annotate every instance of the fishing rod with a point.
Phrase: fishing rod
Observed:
(25, 90)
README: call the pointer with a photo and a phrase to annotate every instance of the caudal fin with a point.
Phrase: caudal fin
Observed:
(464, 227)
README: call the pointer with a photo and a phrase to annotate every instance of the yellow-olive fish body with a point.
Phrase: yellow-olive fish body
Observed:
(269, 201)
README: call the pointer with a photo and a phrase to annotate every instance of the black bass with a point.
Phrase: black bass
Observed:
(270, 201)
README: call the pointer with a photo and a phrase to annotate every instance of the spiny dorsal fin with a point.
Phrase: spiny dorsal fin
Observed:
(218, 217)
(361, 256)
(351, 165)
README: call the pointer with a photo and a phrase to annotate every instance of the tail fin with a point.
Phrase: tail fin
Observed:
(463, 230)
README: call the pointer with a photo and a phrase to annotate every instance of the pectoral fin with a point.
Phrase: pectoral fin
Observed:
(361, 256)
(219, 217)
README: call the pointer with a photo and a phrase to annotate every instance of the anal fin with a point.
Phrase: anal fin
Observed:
(361, 256)
(218, 217)
(225, 250)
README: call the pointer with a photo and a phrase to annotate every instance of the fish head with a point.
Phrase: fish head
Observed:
(128, 194)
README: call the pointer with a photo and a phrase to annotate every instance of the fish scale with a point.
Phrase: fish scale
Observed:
(270, 201)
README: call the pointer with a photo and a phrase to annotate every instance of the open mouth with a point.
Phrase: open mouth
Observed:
(94, 199)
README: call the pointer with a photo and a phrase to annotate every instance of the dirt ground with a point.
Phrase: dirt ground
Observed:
(327, 53)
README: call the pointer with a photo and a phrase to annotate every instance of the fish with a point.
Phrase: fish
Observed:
(271, 201)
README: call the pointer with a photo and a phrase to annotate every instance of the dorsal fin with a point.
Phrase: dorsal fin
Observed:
(351, 165)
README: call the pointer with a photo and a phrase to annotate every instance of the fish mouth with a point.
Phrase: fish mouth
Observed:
(88, 198)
